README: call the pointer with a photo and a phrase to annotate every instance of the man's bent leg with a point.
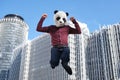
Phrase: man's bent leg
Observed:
(65, 57)
(55, 57)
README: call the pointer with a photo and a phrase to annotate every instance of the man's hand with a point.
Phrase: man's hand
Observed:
(44, 15)
(72, 19)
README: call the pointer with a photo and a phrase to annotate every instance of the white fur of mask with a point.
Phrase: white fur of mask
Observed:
(60, 18)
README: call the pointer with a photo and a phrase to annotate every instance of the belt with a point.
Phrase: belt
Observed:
(60, 46)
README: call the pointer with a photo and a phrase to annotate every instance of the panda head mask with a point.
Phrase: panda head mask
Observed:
(60, 18)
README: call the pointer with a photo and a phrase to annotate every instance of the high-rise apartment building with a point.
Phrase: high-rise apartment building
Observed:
(13, 32)
(103, 53)
(14, 71)
(20, 62)
(78, 53)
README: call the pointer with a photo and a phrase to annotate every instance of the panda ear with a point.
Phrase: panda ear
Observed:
(55, 11)
(67, 13)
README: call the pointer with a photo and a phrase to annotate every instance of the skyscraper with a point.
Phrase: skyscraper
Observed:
(20, 62)
(103, 53)
(13, 32)
(78, 44)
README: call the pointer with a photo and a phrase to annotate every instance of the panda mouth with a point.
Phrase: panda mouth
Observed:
(61, 24)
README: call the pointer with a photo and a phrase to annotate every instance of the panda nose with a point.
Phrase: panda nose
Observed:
(60, 21)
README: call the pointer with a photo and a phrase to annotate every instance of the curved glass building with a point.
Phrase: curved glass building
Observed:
(13, 32)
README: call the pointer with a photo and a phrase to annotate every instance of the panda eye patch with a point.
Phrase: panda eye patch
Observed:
(64, 19)
(57, 18)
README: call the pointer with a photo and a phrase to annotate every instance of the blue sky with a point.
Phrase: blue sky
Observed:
(91, 12)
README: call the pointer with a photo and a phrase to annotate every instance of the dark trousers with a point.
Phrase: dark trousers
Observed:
(59, 53)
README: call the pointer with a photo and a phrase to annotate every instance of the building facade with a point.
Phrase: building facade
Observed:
(16, 63)
(103, 53)
(13, 32)
(78, 52)
(25, 61)
(20, 62)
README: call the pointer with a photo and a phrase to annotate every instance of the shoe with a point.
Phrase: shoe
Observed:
(68, 69)
(53, 67)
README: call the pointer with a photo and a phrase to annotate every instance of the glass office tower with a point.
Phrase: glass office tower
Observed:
(16, 62)
(103, 53)
(78, 43)
(13, 32)
(20, 62)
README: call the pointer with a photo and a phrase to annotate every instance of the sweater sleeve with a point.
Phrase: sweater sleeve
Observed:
(76, 30)
(40, 28)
